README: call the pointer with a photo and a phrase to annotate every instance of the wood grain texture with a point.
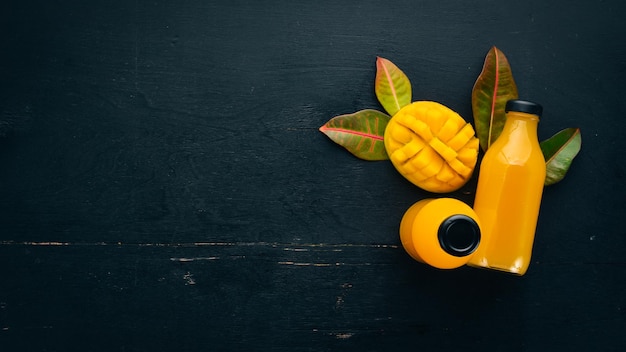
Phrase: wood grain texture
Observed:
(164, 185)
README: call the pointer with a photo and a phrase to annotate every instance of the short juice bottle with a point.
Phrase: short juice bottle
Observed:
(442, 232)
(508, 195)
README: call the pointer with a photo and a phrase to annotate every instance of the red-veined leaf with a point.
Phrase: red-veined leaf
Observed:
(493, 88)
(392, 86)
(559, 151)
(360, 133)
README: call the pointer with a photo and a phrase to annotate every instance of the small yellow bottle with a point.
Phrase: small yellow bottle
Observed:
(441, 232)
(508, 195)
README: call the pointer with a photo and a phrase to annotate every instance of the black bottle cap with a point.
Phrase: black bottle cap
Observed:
(523, 106)
(459, 235)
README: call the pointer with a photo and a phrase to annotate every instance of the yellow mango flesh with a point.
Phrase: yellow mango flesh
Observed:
(432, 146)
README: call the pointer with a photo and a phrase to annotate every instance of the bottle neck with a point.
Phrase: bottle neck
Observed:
(521, 122)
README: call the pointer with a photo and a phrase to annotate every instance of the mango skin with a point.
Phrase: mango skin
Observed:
(432, 146)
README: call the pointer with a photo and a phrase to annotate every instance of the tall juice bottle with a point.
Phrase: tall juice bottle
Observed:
(508, 195)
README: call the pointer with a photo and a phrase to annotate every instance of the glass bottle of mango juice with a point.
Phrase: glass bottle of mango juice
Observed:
(441, 232)
(508, 195)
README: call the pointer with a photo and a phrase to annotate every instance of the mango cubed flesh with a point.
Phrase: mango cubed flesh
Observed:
(442, 149)
(432, 146)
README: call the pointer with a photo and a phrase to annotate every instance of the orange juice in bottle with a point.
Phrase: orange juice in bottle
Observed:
(441, 232)
(508, 195)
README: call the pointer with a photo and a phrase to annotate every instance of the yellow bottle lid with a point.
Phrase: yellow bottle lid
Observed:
(441, 232)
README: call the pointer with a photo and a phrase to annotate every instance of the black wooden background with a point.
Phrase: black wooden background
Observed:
(164, 185)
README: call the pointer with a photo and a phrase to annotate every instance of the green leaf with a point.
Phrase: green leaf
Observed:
(559, 151)
(360, 133)
(493, 88)
(392, 86)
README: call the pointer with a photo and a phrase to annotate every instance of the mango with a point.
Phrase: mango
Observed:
(432, 146)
